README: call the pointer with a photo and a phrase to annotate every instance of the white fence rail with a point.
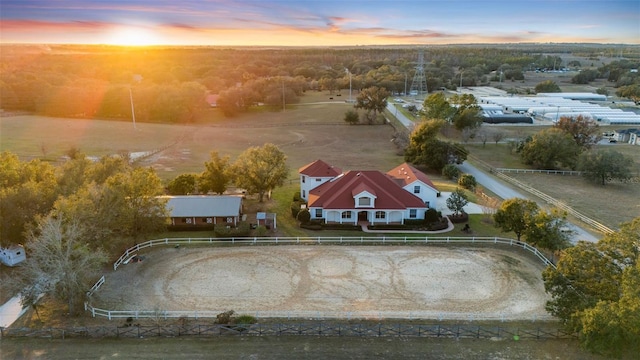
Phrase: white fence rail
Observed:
(533, 171)
(499, 172)
(559, 204)
(338, 240)
(299, 314)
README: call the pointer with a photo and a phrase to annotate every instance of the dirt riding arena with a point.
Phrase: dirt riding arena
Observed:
(370, 282)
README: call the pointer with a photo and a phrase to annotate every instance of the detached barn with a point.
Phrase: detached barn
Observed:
(201, 212)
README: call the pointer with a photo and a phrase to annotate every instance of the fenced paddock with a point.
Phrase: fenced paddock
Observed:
(476, 278)
(293, 329)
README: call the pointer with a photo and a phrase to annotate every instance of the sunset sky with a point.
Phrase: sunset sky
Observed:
(318, 23)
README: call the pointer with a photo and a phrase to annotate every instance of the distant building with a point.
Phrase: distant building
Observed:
(631, 136)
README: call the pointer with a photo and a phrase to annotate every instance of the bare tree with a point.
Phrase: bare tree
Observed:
(59, 263)
(497, 136)
(467, 134)
(483, 136)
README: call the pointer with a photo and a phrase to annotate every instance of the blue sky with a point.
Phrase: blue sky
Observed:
(318, 23)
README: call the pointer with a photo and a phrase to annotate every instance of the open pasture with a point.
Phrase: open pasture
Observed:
(305, 132)
(335, 281)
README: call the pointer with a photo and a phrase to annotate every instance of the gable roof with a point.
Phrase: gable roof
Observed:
(339, 193)
(320, 168)
(629, 131)
(406, 174)
(203, 205)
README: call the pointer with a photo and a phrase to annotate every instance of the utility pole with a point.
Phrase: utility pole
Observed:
(349, 72)
(133, 112)
(283, 98)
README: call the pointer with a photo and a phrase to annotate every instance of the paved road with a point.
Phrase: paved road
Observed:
(506, 192)
(502, 190)
(490, 183)
(400, 116)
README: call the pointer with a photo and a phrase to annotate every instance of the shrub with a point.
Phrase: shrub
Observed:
(225, 317)
(450, 172)
(261, 231)
(304, 216)
(431, 216)
(296, 196)
(460, 218)
(467, 181)
(246, 319)
(311, 226)
(227, 230)
(341, 227)
(296, 206)
(441, 224)
(414, 222)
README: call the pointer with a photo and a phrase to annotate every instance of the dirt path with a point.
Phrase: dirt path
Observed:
(390, 282)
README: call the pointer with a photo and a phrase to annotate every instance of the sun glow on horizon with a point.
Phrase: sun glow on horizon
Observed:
(133, 36)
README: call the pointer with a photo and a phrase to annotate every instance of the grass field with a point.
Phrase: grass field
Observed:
(610, 204)
(314, 129)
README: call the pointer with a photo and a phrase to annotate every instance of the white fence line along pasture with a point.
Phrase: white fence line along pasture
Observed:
(500, 172)
(559, 204)
(131, 252)
(534, 171)
(336, 240)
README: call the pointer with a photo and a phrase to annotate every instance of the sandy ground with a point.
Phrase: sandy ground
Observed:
(332, 281)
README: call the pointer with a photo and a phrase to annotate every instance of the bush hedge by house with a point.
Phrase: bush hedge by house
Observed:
(296, 206)
(432, 215)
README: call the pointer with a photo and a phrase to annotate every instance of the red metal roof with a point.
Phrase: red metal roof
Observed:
(339, 193)
(320, 168)
(408, 174)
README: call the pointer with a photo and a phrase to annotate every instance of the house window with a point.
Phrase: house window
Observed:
(209, 220)
(413, 213)
(364, 201)
(304, 193)
(318, 213)
(426, 203)
(381, 215)
(416, 189)
(318, 179)
(229, 219)
(346, 215)
(187, 220)
(304, 178)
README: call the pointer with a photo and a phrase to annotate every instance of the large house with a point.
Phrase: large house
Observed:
(193, 211)
(372, 196)
(631, 136)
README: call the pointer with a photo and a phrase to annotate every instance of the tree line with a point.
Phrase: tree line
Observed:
(170, 84)
(75, 217)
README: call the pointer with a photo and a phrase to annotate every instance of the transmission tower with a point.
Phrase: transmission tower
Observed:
(419, 83)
